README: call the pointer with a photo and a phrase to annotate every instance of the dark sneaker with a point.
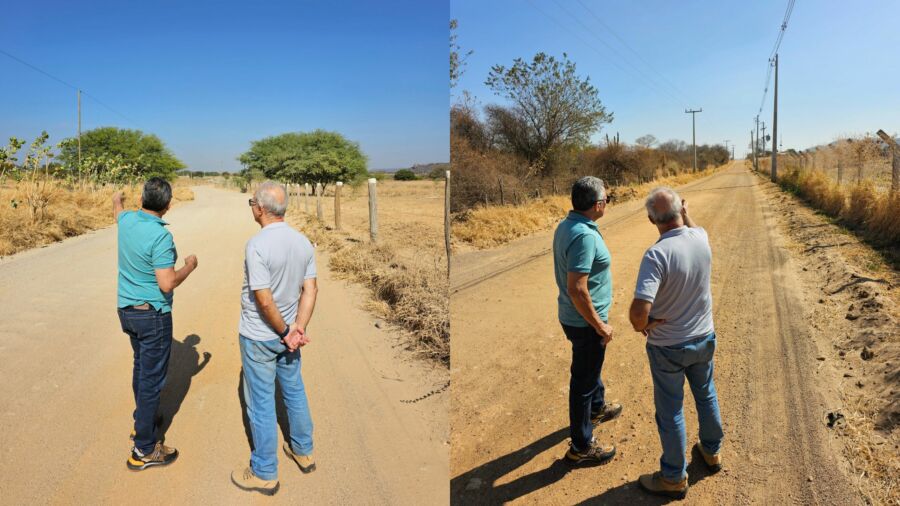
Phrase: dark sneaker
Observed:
(713, 461)
(657, 485)
(596, 455)
(609, 412)
(305, 462)
(246, 480)
(161, 455)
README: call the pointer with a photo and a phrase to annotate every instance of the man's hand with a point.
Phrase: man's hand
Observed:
(653, 323)
(606, 332)
(191, 261)
(118, 206)
(684, 214)
(296, 338)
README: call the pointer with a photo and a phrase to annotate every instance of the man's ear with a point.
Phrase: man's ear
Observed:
(651, 219)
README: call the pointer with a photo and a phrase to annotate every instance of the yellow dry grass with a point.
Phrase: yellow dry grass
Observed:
(68, 214)
(492, 226)
(860, 206)
(406, 270)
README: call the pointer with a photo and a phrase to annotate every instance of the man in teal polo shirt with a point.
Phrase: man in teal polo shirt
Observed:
(147, 278)
(582, 267)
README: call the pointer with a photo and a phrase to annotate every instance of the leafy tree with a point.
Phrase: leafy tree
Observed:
(145, 153)
(552, 107)
(457, 62)
(645, 141)
(305, 157)
(405, 175)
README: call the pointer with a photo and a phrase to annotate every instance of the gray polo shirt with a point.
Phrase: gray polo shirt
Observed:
(278, 258)
(674, 277)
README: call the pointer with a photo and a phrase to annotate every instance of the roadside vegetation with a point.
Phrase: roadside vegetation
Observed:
(47, 195)
(848, 181)
(513, 164)
(405, 272)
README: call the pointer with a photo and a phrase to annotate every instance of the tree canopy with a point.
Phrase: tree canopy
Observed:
(144, 153)
(306, 157)
(552, 107)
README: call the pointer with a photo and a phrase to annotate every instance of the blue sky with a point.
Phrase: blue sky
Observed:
(209, 77)
(839, 69)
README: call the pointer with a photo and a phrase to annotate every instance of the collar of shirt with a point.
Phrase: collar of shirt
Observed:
(580, 218)
(275, 224)
(672, 233)
(147, 216)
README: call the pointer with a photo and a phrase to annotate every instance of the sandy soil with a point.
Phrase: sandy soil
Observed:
(510, 360)
(66, 395)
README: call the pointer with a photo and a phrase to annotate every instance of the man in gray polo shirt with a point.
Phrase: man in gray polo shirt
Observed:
(673, 307)
(277, 302)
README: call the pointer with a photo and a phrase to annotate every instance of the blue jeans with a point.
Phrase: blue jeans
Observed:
(669, 365)
(586, 390)
(151, 339)
(263, 361)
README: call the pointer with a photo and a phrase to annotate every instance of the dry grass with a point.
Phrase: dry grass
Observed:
(68, 214)
(874, 458)
(491, 226)
(860, 206)
(406, 271)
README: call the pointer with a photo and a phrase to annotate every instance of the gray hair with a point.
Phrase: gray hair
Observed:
(586, 192)
(272, 197)
(663, 205)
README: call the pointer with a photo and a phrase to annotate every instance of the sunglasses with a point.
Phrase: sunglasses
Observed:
(251, 202)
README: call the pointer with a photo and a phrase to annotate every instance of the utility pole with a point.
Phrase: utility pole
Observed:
(756, 146)
(726, 145)
(732, 152)
(763, 137)
(79, 130)
(693, 113)
(753, 147)
(775, 127)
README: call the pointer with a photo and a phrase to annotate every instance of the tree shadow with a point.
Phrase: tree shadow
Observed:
(631, 493)
(184, 364)
(477, 485)
(280, 412)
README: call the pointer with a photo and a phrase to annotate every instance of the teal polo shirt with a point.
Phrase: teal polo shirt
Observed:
(144, 246)
(579, 247)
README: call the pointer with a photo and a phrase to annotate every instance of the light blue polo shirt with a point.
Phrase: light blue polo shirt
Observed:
(579, 247)
(674, 277)
(144, 246)
(281, 259)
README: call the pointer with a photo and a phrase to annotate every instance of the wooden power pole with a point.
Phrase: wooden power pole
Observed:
(895, 160)
(775, 127)
(79, 130)
(693, 113)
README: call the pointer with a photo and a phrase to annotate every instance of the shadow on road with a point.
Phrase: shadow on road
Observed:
(280, 412)
(478, 485)
(184, 364)
(631, 493)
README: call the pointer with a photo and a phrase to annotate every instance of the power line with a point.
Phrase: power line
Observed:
(647, 78)
(67, 84)
(587, 43)
(781, 31)
(633, 51)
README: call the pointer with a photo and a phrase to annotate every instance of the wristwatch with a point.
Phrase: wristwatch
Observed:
(285, 332)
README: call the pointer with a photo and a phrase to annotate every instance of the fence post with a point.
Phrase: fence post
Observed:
(447, 217)
(895, 160)
(306, 198)
(373, 210)
(296, 195)
(319, 214)
(337, 205)
(500, 181)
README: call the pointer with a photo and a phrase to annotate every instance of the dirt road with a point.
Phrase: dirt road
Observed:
(510, 360)
(65, 383)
